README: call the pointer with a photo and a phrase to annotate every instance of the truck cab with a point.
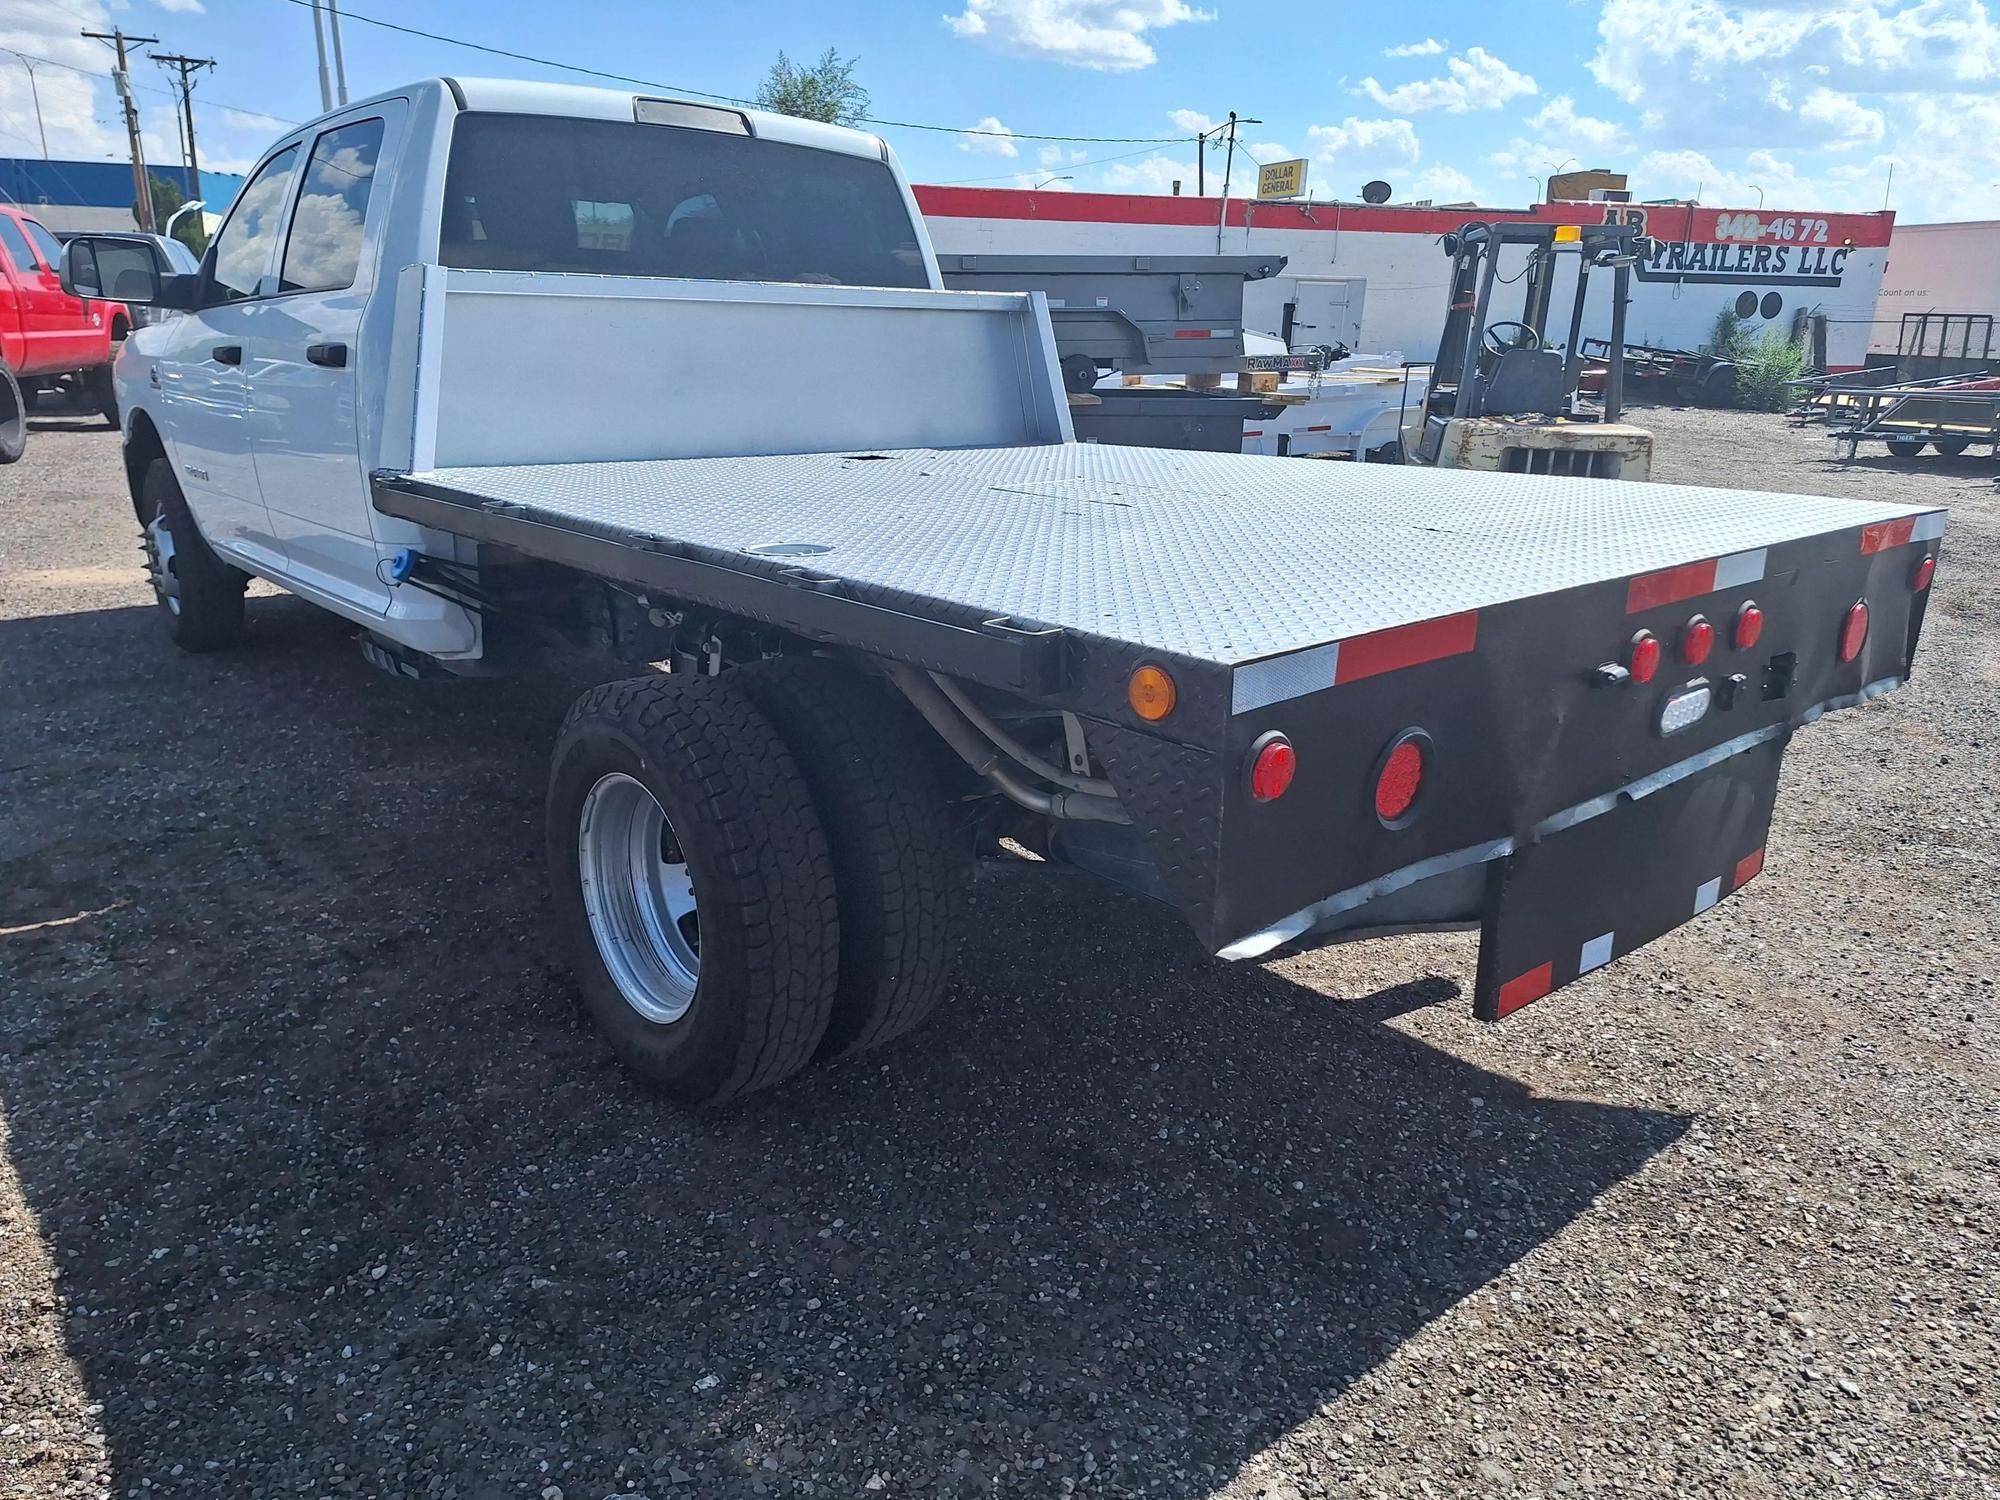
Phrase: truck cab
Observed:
(45, 332)
(271, 395)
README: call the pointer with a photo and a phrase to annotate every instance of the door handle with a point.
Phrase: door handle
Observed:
(227, 354)
(333, 356)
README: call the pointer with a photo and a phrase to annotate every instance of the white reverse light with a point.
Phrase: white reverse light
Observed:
(1685, 707)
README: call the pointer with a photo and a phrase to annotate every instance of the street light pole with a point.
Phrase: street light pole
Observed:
(35, 91)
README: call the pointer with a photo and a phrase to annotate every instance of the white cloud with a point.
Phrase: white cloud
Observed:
(1849, 120)
(995, 140)
(76, 108)
(1192, 121)
(183, 7)
(1564, 132)
(1475, 80)
(1263, 151)
(1106, 35)
(1043, 182)
(1372, 141)
(1150, 174)
(1443, 185)
(1430, 46)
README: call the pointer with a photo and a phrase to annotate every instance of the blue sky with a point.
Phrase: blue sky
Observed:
(1804, 103)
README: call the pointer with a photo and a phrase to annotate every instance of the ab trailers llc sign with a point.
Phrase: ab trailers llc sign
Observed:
(1787, 251)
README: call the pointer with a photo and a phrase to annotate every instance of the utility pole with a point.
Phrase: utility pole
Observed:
(1228, 166)
(35, 91)
(1201, 152)
(319, 42)
(339, 53)
(187, 67)
(142, 206)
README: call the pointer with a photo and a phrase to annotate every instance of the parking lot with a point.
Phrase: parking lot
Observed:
(314, 1182)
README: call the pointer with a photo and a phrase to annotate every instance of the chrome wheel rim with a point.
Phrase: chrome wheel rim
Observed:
(639, 897)
(160, 563)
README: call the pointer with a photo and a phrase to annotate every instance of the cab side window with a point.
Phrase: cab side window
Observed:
(323, 251)
(16, 243)
(49, 246)
(243, 247)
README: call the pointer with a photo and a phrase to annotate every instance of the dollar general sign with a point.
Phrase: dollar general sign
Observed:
(1281, 179)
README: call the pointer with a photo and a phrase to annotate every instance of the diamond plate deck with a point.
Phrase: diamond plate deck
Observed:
(1221, 557)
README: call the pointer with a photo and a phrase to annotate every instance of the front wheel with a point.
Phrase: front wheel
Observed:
(199, 595)
(13, 418)
(692, 876)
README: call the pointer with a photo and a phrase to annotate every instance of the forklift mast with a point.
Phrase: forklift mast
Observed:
(1489, 366)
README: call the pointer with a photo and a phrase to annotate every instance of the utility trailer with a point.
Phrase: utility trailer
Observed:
(1295, 703)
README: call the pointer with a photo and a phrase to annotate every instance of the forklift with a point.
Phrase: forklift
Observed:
(1504, 395)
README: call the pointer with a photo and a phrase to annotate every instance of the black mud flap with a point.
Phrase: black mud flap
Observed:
(1593, 892)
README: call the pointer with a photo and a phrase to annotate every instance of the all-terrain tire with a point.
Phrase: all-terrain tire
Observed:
(763, 882)
(13, 418)
(899, 862)
(200, 597)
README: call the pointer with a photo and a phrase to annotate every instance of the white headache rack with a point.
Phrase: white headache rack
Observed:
(515, 367)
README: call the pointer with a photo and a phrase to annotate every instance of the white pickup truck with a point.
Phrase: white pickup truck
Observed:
(459, 368)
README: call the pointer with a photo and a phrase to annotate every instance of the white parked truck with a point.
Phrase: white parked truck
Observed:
(456, 368)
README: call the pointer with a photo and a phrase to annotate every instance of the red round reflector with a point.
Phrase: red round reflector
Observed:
(1401, 778)
(1920, 576)
(1854, 631)
(1644, 660)
(1273, 768)
(1749, 626)
(1697, 640)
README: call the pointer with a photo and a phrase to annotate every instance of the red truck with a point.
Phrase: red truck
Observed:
(46, 334)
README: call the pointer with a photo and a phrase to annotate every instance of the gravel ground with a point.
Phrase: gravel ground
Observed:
(314, 1184)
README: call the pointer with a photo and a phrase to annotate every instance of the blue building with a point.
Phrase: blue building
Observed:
(71, 195)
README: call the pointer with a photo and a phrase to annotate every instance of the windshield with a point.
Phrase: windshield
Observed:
(545, 193)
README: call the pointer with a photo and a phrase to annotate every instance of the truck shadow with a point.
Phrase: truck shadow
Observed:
(343, 1199)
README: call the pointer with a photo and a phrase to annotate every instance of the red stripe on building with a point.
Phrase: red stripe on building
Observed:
(1670, 222)
(1670, 586)
(1886, 534)
(1524, 989)
(1406, 646)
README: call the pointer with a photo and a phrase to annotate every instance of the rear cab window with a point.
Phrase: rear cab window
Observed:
(549, 193)
(323, 250)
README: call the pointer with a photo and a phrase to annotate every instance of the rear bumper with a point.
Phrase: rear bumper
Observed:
(1435, 893)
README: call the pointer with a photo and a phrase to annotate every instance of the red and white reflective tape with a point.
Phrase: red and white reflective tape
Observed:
(1886, 534)
(1692, 580)
(1204, 333)
(1280, 678)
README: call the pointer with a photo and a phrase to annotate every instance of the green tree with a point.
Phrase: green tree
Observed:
(824, 91)
(168, 197)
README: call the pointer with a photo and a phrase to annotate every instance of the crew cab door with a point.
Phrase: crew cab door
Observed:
(200, 367)
(54, 331)
(300, 358)
(78, 336)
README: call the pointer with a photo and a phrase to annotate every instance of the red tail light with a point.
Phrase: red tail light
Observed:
(1400, 780)
(1697, 640)
(1272, 767)
(1749, 626)
(1854, 631)
(1643, 660)
(1920, 576)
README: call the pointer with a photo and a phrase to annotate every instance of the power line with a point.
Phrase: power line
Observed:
(1094, 161)
(240, 109)
(654, 83)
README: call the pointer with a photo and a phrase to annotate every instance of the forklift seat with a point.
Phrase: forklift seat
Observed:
(1519, 382)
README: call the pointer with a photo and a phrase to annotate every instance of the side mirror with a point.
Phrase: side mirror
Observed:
(124, 268)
